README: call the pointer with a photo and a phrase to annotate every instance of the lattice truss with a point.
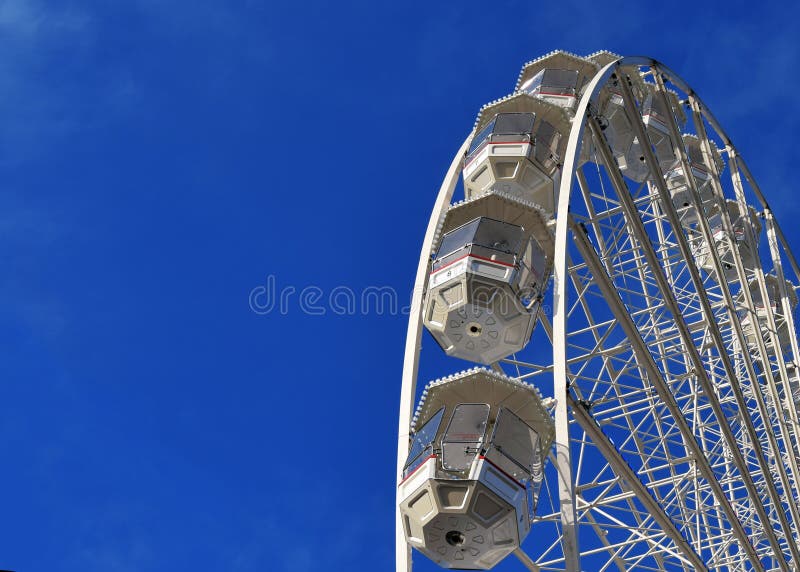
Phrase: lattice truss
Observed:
(683, 393)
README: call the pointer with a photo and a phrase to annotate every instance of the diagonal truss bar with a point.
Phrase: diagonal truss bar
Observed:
(716, 335)
(655, 169)
(749, 302)
(772, 330)
(785, 303)
(526, 560)
(645, 359)
(625, 475)
(624, 471)
(638, 229)
(742, 165)
(776, 346)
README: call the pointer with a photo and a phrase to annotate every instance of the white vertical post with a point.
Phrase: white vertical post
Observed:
(563, 454)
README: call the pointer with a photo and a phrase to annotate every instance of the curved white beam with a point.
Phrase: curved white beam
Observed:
(413, 339)
(563, 456)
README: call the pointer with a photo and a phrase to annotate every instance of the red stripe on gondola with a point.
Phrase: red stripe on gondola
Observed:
(472, 256)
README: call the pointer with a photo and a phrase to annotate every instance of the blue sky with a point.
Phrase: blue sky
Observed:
(160, 160)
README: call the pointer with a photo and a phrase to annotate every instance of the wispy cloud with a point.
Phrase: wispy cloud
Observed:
(35, 41)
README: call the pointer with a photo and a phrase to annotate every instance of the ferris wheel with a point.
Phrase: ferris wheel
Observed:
(626, 297)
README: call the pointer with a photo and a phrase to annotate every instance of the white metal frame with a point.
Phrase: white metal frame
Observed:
(662, 364)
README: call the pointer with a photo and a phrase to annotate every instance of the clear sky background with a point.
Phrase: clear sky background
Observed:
(159, 160)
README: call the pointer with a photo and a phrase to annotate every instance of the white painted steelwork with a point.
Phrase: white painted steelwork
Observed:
(676, 386)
